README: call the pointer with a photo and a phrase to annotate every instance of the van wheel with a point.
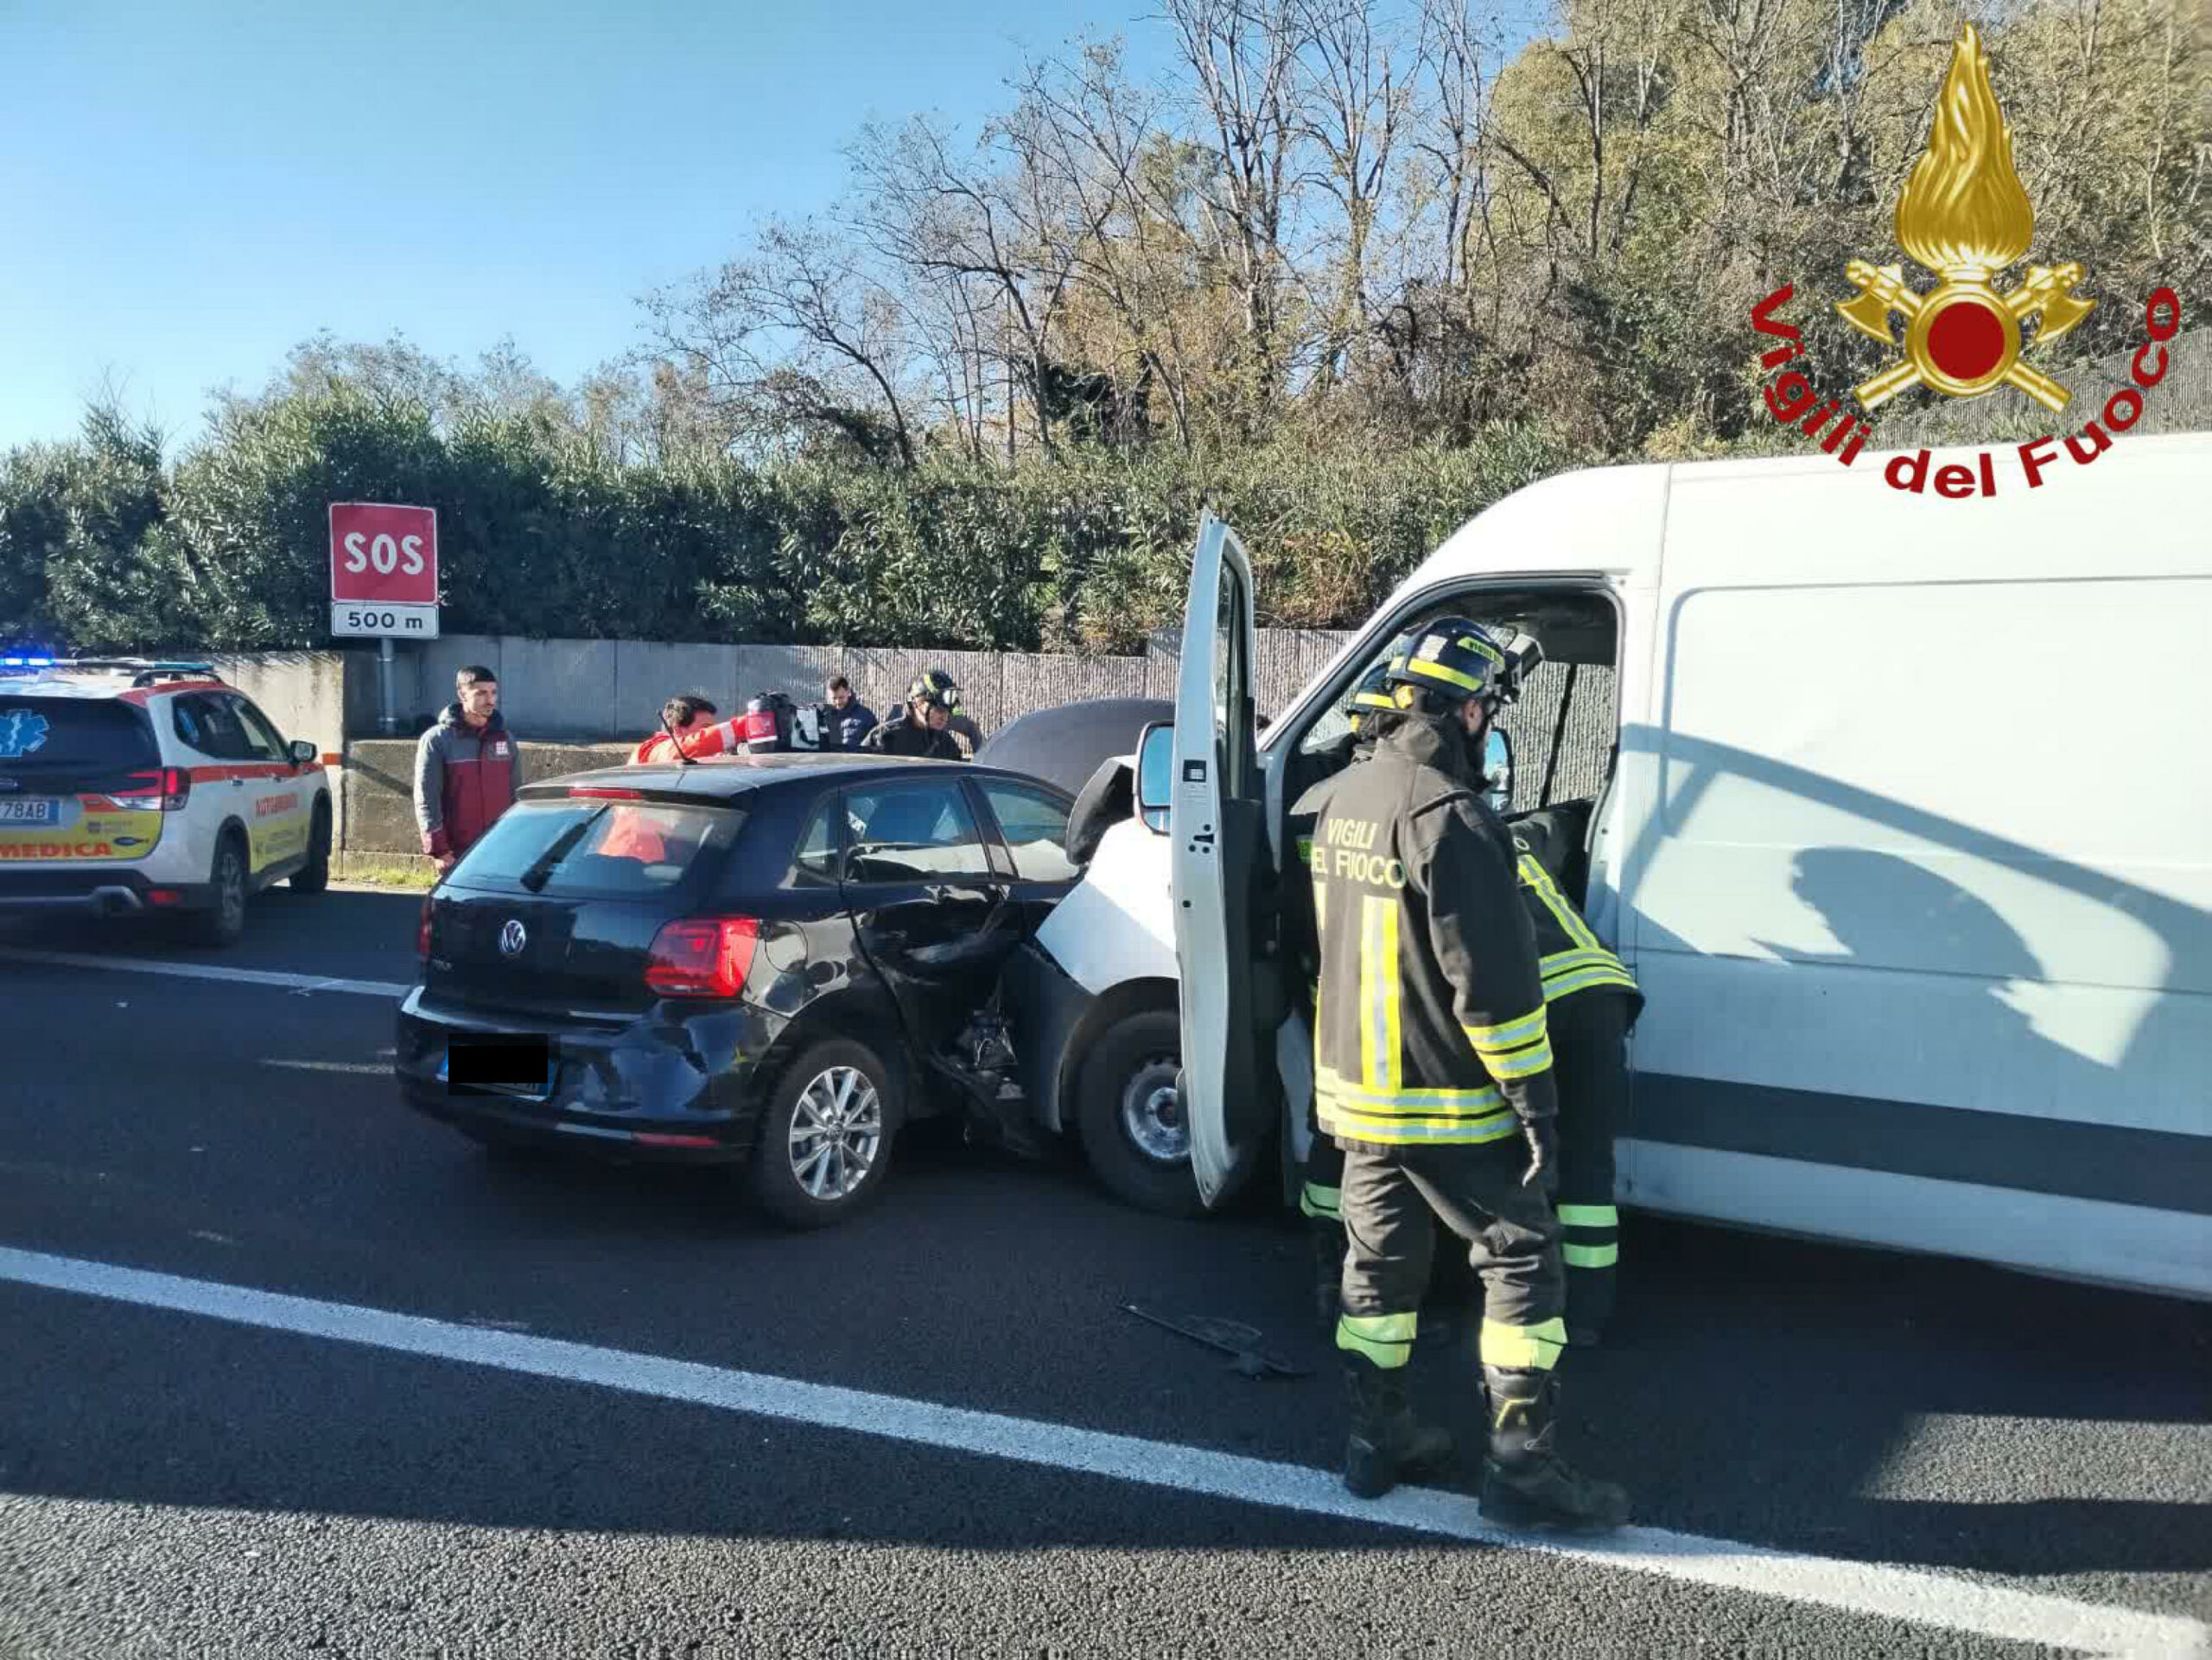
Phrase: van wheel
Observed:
(314, 876)
(825, 1136)
(223, 923)
(1133, 1126)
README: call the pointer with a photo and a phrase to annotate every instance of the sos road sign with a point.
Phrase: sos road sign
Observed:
(384, 570)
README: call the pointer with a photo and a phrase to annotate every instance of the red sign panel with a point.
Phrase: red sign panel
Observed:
(383, 554)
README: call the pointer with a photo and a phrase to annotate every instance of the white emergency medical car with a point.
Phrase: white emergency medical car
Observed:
(1899, 809)
(130, 787)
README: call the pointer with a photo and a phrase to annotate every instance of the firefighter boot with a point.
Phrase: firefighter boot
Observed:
(1525, 1482)
(1327, 1237)
(1387, 1441)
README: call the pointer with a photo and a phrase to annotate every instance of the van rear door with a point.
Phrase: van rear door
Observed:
(1221, 879)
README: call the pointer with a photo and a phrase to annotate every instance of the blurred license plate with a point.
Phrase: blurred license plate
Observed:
(29, 813)
(510, 1066)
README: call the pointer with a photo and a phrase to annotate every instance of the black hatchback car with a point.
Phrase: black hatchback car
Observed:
(773, 961)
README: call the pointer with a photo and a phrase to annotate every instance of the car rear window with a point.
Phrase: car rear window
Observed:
(73, 734)
(589, 848)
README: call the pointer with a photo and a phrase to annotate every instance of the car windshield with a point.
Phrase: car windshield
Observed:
(584, 847)
(72, 734)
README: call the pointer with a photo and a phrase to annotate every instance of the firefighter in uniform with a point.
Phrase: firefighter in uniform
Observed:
(1432, 1072)
(1593, 1003)
(918, 727)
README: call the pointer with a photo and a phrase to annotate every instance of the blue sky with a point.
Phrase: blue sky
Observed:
(188, 189)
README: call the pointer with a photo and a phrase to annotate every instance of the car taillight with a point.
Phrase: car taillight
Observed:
(597, 794)
(701, 956)
(423, 932)
(157, 790)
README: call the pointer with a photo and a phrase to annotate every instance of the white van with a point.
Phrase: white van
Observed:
(1899, 808)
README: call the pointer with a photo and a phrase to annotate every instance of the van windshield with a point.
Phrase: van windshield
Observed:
(587, 848)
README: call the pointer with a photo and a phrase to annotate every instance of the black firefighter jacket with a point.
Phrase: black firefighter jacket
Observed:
(1430, 1024)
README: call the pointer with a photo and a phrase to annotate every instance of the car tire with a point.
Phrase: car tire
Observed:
(835, 1106)
(223, 923)
(1118, 1102)
(314, 876)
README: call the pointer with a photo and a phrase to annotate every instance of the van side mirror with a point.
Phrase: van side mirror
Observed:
(1155, 775)
(1498, 767)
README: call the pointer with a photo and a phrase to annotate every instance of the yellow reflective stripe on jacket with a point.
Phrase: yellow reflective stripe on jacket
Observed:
(1386, 1339)
(1482, 1098)
(1535, 877)
(1378, 992)
(1569, 984)
(1591, 1255)
(1589, 1216)
(1354, 1123)
(1518, 1048)
(1519, 1063)
(1509, 1035)
(1317, 1199)
(1523, 1347)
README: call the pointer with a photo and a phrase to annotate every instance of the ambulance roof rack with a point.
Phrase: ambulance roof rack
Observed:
(143, 672)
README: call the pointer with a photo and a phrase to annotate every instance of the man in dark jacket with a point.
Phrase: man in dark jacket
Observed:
(467, 769)
(1432, 1068)
(845, 719)
(918, 727)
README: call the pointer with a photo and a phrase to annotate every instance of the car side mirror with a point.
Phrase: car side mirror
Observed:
(303, 753)
(1155, 775)
(1498, 767)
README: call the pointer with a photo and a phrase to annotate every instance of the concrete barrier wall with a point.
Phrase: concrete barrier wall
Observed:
(378, 788)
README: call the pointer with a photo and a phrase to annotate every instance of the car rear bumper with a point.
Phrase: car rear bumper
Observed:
(100, 891)
(685, 1090)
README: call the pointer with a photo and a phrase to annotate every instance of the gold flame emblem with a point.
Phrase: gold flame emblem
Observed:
(1965, 216)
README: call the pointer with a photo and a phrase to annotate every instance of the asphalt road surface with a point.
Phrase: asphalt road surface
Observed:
(287, 1370)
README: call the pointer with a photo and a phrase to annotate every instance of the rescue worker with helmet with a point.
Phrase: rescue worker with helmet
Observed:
(1593, 1003)
(918, 727)
(1432, 1072)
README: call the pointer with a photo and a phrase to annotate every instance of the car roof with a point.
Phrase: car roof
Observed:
(723, 776)
(128, 680)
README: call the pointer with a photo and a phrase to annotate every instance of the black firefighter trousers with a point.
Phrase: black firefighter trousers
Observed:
(1589, 1031)
(1393, 1198)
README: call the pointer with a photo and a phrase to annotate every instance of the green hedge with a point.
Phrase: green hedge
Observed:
(539, 536)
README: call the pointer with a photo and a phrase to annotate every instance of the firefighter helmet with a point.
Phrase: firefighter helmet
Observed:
(934, 689)
(1453, 659)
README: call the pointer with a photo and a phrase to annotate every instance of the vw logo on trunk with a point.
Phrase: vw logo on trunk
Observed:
(513, 938)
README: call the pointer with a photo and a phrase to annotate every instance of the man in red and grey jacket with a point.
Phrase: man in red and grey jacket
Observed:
(467, 769)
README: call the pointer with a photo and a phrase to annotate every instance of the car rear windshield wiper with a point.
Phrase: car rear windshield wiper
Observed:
(541, 868)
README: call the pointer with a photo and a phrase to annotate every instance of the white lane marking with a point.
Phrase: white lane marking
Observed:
(300, 983)
(377, 1069)
(1912, 1594)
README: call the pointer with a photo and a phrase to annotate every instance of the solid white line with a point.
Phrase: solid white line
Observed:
(366, 1068)
(303, 982)
(1915, 1595)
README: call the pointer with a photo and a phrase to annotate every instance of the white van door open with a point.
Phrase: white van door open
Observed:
(1221, 875)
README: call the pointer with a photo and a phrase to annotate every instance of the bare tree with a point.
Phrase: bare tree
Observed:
(1359, 95)
(799, 335)
(1248, 88)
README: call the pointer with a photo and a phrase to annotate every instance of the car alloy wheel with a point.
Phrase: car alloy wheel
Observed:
(836, 1131)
